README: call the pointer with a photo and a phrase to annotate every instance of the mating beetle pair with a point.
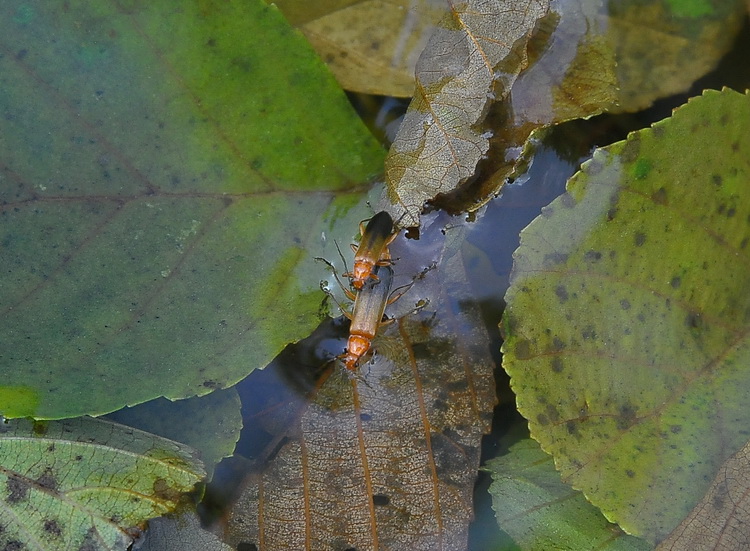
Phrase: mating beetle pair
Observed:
(372, 277)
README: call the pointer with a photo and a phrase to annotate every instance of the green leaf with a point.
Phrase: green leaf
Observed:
(86, 483)
(167, 174)
(211, 424)
(628, 316)
(540, 512)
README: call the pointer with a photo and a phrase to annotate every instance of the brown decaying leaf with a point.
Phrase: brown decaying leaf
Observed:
(386, 460)
(720, 521)
(371, 46)
(439, 142)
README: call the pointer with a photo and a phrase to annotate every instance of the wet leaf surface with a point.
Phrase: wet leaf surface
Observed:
(386, 460)
(584, 59)
(183, 533)
(628, 316)
(540, 512)
(210, 424)
(86, 483)
(163, 196)
(719, 522)
(371, 46)
(440, 140)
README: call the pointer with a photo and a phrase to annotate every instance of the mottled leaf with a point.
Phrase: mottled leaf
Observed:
(86, 483)
(386, 460)
(628, 315)
(210, 424)
(183, 533)
(720, 521)
(440, 140)
(167, 174)
(540, 512)
(371, 46)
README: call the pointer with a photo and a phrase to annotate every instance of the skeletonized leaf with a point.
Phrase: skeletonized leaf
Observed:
(387, 461)
(86, 483)
(628, 316)
(440, 140)
(182, 533)
(720, 521)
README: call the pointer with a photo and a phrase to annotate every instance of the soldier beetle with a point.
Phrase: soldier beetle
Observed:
(367, 315)
(372, 250)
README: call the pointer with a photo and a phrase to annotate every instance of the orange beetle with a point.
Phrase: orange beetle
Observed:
(367, 316)
(373, 249)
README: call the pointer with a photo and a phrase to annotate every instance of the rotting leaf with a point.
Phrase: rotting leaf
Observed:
(584, 59)
(628, 316)
(163, 196)
(540, 512)
(182, 533)
(371, 46)
(210, 424)
(86, 483)
(719, 521)
(440, 140)
(387, 460)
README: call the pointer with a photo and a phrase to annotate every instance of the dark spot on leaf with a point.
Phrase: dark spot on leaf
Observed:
(594, 166)
(631, 148)
(13, 545)
(592, 256)
(630, 473)
(552, 413)
(675, 428)
(716, 179)
(380, 499)
(675, 282)
(659, 196)
(611, 213)
(555, 258)
(245, 546)
(40, 428)
(163, 491)
(522, 349)
(210, 384)
(731, 212)
(626, 417)
(557, 344)
(743, 243)
(640, 238)
(51, 448)
(562, 293)
(567, 200)
(52, 528)
(78, 457)
(21, 54)
(47, 480)
(641, 317)
(557, 365)
(17, 490)
(365, 417)
(256, 163)
(694, 320)
(625, 304)
(571, 427)
(542, 419)
(589, 333)
(658, 131)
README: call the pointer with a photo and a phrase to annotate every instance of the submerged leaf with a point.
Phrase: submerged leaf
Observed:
(371, 46)
(86, 483)
(386, 460)
(628, 316)
(719, 522)
(163, 196)
(210, 424)
(540, 512)
(440, 140)
(183, 533)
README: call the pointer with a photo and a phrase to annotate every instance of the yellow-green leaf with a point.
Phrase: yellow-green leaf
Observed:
(628, 316)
